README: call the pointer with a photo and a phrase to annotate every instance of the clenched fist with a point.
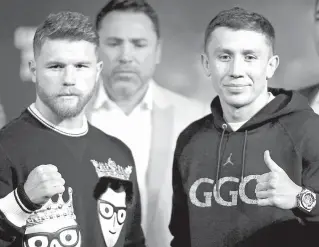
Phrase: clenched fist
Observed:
(43, 182)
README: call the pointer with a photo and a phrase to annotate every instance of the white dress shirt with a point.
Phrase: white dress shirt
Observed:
(134, 130)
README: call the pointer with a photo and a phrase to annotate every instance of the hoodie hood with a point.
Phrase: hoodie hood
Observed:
(284, 103)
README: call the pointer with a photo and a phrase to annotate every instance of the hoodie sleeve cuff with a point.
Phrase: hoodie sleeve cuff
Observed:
(14, 210)
(315, 210)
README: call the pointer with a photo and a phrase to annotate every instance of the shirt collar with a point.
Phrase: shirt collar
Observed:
(76, 132)
(103, 100)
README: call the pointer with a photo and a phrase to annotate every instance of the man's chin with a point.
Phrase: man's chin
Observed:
(124, 92)
(68, 112)
(237, 102)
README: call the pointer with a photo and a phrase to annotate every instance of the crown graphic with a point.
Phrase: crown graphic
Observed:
(111, 169)
(53, 210)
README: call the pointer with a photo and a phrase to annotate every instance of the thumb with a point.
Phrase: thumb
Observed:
(270, 163)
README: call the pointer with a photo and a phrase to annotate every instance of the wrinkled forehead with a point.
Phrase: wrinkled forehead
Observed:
(51, 226)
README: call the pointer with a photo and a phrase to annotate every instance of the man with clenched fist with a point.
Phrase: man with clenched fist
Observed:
(42, 183)
(51, 146)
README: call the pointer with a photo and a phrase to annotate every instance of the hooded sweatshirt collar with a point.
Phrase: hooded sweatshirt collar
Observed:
(284, 103)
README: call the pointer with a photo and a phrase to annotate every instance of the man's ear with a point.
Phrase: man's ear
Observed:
(159, 51)
(33, 70)
(99, 68)
(205, 64)
(273, 64)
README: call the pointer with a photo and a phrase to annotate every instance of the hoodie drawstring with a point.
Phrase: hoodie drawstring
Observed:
(243, 158)
(224, 126)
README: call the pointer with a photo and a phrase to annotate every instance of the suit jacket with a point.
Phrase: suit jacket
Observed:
(171, 113)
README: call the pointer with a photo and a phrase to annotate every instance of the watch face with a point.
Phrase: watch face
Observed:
(308, 200)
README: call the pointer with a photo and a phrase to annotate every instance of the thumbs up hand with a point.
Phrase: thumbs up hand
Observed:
(275, 188)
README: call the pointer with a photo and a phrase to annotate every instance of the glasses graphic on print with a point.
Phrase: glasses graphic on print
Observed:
(53, 225)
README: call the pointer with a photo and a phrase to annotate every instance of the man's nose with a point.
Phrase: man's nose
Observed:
(126, 55)
(69, 75)
(236, 68)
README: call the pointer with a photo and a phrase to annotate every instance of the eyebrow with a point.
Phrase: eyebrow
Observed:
(244, 51)
(53, 62)
(120, 39)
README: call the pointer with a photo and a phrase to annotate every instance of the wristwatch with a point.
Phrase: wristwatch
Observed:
(306, 200)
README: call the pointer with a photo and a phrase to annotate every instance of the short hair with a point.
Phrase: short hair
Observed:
(138, 6)
(240, 19)
(115, 184)
(67, 25)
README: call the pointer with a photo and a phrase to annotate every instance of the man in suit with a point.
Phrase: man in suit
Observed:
(312, 91)
(133, 107)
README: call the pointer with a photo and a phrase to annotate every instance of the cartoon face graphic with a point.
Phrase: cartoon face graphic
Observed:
(53, 225)
(56, 233)
(111, 208)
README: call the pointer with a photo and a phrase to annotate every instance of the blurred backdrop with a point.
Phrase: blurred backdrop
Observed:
(182, 25)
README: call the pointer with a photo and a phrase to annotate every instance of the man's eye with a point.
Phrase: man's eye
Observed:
(56, 66)
(79, 66)
(140, 45)
(250, 57)
(224, 57)
(112, 44)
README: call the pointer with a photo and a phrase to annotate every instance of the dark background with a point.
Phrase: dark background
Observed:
(182, 25)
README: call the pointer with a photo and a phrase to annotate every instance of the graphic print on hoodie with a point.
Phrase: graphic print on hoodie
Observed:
(215, 172)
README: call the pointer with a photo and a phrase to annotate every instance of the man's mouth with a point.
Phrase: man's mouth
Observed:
(235, 85)
(68, 95)
(123, 70)
(112, 232)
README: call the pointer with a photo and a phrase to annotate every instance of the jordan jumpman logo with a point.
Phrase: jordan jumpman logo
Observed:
(228, 161)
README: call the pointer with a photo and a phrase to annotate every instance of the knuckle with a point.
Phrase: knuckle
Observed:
(37, 170)
(43, 177)
(272, 193)
(54, 167)
(273, 183)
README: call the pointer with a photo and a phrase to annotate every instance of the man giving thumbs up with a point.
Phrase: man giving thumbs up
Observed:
(275, 188)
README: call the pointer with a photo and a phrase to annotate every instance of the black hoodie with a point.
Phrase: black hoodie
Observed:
(208, 152)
